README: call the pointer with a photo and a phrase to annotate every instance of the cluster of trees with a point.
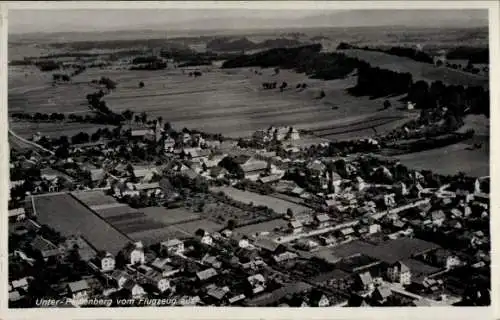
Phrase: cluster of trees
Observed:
(242, 44)
(304, 59)
(269, 85)
(301, 86)
(458, 99)
(60, 77)
(376, 82)
(434, 142)
(47, 65)
(472, 54)
(406, 52)
(195, 74)
(286, 58)
(232, 166)
(39, 116)
(156, 65)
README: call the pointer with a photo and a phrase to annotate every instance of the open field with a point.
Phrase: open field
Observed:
(94, 199)
(150, 237)
(170, 216)
(230, 102)
(419, 70)
(389, 251)
(70, 217)
(278, 205)
(450, 160)
(191, 227)
(267, 226)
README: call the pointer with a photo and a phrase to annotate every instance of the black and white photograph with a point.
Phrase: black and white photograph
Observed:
(248, 157)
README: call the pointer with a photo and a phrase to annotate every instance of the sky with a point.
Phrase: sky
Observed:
(91, 20)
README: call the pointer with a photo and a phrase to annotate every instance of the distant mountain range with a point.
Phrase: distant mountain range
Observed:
(247, 20)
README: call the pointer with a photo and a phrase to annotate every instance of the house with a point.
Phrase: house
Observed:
(268, 245)
(206, 274)
(207, 239)
(140, 134)
(20, 284)
(163, 265)
(438, 217)
(134, 252)
(157, 280)
(253, 168)
(327, 240)
(169, 145)
(46, 248)
(322, 220)
(374, 228)
(399, 272)
(295, 226)
(381, 293)
(306, 244)
(285, 256)
(236, 298)
(316, 168)
(17, 214)
(97, 175)
(218, 172)
(119, 277)
(318, 299)
(346, 232)
(365, 281)
(104, 262)
(136, 291)
(211, 261)
(217, 293)
(78, 289)
(172, 246)
(257, 283)
(389, 200)
(15, 296)
(446, 259)
(360, 184)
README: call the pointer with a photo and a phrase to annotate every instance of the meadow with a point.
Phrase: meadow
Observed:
(278, 205)
(229, 102)
(419, 70)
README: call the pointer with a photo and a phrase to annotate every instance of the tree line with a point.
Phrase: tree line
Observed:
(458, 99)
(304, 59)
(406, 52)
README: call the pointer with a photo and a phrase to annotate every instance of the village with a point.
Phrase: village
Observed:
(190, 218)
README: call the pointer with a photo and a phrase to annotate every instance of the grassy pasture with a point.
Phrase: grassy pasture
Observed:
(278, 205)
(419, 70)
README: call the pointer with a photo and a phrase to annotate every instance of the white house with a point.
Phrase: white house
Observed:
(400, 273)
(135, 253)
(173, 246)
(104, 262)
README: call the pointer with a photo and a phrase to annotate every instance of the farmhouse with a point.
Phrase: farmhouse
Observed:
(253, 168)
(173, 246)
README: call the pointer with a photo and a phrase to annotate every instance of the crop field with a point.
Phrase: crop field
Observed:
(450, 160)
(68, 216)
(230, 102)
(94, 198)
(278, 205)
(419, 70)
(170, 216)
